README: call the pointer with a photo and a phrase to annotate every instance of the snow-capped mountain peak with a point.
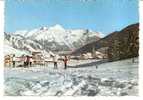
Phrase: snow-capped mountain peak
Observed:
(20, 32)
(57, 27)
(58, 37)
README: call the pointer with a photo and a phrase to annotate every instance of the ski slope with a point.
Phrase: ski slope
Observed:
(118, 78)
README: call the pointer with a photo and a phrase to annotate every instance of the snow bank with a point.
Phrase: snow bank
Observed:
(110, 79)
(10, 50)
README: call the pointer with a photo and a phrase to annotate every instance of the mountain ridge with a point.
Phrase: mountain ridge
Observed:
(56, 37)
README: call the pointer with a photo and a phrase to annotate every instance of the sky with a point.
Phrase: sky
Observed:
(104, 16)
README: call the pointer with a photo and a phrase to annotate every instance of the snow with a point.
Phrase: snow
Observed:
(19, 43)
(56, 33)
(8, 50)
(30, 33)
(118, 78)
(57, 27)
(21, 32)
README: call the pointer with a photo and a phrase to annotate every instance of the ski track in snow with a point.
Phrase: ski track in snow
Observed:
(110, 79)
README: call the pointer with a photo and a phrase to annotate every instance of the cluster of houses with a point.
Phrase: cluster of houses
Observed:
(100, 54)
(43, 57)
(38, 57)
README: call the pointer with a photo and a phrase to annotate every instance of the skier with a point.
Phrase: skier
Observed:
(65, 62)
(55, 60)
(13, 60)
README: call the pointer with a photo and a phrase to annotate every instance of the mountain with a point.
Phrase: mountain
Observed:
(56, 38)
(118, 45)
(20, 43)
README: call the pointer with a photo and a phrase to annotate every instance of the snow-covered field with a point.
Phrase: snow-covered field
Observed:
(118, 78)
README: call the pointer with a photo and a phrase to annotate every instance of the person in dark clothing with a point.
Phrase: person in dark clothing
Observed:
(27, 60)
(55, 60)
(13, 60)
(55, 65)
(65, 62)
(30, 61)
(24, 60)
(96, 66)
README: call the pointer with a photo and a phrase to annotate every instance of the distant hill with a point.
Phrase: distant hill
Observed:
(120, 44)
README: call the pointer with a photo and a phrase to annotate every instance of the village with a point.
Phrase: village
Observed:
(43, 58)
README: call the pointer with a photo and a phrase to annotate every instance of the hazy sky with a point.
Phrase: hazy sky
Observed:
(98, 15)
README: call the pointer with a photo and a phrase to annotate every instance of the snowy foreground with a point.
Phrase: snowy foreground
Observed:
(81, 79)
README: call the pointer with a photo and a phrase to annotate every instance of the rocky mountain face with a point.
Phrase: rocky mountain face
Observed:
(54, 38)
(118, 45)
(21, 43)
